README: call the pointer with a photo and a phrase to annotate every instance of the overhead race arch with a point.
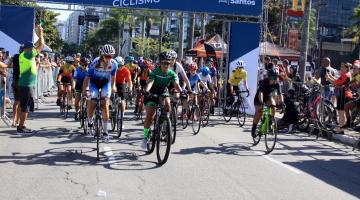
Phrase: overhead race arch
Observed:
(223, 7)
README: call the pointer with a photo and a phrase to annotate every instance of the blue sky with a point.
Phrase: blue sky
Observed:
(63, 14)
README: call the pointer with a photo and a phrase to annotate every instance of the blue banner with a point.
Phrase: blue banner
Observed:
(224, 7)
(16, 27)
(244, 45)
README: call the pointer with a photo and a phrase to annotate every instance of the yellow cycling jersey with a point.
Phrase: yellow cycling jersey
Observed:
(132, 67)
(237, 76)
(67, 70)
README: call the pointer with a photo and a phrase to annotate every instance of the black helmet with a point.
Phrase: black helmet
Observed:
(165, 56)
(273, 73)
(84, 61)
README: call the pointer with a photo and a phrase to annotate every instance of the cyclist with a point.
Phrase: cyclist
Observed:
(145, 71)
(101, 75)
(205, 77)
(267, 90)
(66, 77)
(159, 80)
(178, 69)
(123, 81)
(79, 77)
(237, 76)
(195, 80)
(129, 63)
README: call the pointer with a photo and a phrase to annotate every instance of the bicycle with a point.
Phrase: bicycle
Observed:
(117, 114)
(64, 106)
(161, 133)
(173, 116)
(204, 105)
(98, 126)
(194, 115)
(140, 105)
(267, 128)
(83, 114)
(236, 109)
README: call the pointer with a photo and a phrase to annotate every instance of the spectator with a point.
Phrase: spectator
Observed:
(27, 80)
(325, 69)
(15, 87)
(291, 113)
(344, 94)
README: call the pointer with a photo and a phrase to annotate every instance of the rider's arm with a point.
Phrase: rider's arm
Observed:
(184, 77)
(149, 85)
(177, 86)
(85, 83)
(203, 85)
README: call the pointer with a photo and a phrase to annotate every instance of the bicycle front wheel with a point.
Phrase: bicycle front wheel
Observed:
(241, 114)
(119, 121)
(205, 113)
(163, 143)
(195, 119)
(227, 112)
(271, 135)
(98, 128)
(173, 123)
(184, 119)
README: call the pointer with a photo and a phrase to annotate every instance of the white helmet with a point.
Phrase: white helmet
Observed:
(120, 60)
(69, 59)
(240, 63)
(107, 49)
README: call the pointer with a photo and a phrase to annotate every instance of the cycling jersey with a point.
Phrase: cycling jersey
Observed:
(100, 77)
(79, 77)
(67, 70)
(194, 80)
(144, 74)
(178, 69)
(161, 80)
(357, 77)
(123, 75)
(237, 76)
(205, 79)
(132, 67)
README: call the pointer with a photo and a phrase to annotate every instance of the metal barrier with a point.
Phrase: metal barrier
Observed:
(3, 94)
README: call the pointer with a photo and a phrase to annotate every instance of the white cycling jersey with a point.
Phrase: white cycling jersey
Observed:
(205, 79)
(179, 69)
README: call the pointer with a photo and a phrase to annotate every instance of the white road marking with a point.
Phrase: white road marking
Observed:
(110, 156)
(293, 169)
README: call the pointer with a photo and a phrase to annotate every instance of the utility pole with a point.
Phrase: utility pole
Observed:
(305, 40)
(161, 30)
(192, 30)
(181, 37)
(202, 33)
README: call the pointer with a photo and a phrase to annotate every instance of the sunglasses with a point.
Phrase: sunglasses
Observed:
(165, 63)
(108, 56)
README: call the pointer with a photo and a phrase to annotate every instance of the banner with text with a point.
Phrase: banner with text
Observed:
(244, 45)
(224, 7)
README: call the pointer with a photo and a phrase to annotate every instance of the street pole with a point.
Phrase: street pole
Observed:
(161, 30)
(192, 30)
(202, 34)
(181, 37)
(305, 40)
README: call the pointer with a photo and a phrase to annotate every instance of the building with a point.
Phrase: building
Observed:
(62, 28)
(334, 18)
(73, 32)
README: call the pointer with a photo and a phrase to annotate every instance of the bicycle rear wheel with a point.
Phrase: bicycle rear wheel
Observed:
(205, 112)
(119, 121)
(66, 106)
(227, 112)
(240, 113)
(113, 113)
(184, 119)
(98, 128)
(195, 119)
(173, 124)
(163, 143)
(271, 135)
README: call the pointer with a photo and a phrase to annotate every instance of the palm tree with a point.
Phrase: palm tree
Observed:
(354, 30)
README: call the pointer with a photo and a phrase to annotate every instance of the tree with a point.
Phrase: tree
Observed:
(354, 31)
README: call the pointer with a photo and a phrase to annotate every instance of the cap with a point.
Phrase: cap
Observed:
(28, 45)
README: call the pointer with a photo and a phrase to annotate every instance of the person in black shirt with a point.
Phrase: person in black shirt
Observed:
(268, 89)
(15, 87)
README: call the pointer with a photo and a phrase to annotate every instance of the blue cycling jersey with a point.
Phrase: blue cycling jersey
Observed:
(193, 80)
(80, 75)
(102, 73)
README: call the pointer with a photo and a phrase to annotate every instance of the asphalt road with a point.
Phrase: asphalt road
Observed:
(58, 162)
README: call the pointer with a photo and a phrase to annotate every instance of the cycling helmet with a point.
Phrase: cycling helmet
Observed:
(129, 59)
(140, 60)
(84, 61)
(146, 64)
(107, 49)
(120, 60)
(193, 66)
(240, 63)
(173, 54)
(69, 59)
(209, 60)
(165, 56)
(273, 73)
(205, 71)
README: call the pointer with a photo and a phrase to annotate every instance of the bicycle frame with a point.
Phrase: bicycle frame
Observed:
(266, 123)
